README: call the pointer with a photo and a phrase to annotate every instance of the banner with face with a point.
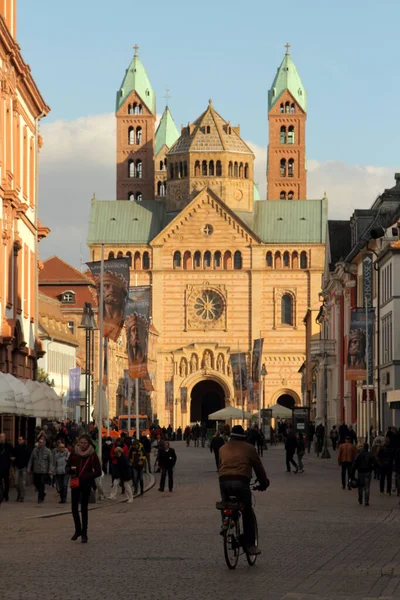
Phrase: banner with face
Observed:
(137, 322)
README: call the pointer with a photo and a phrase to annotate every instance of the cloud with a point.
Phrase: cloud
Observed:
(78, 159)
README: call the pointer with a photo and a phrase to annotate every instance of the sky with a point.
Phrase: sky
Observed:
(346, 54)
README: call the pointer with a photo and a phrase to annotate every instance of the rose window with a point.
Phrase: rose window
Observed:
(208, 306)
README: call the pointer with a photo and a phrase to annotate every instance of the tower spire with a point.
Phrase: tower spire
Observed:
(136, 49)
(287, 46)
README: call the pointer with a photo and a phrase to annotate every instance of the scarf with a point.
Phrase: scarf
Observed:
(84, 454)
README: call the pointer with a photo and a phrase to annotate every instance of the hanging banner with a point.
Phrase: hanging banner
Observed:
(256, 361)
(105, 366)
(183, 399)
(116, 286)
(74, 384)
(356, 362)
(169, 395)
(239, 371)
(137, 320)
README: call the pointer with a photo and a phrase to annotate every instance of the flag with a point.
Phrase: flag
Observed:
(115, 288)
(74, 384)
(256, 361)
(239, 371)
(137, 321)
(183, 399)
(169, 395)
(356, 360)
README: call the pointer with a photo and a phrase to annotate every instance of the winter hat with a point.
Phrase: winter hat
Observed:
(238, 431)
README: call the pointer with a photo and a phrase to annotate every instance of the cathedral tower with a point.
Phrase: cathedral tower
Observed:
(136, 114)
(286, 170)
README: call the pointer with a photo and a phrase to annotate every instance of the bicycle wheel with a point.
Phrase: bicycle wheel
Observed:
(231, 543)
(251, 558)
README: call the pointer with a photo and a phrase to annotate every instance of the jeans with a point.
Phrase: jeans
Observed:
(334, 443)
(241, 491)
(260, 448)
(289, 460)
(80, 495)
(164, 471)
(364, 485)
(386, 474)
(346, 468)
(300, 459)
(20, 482)
(5, 483)
(38, 480)
(62, 486)
(137, 476)
(216, 454)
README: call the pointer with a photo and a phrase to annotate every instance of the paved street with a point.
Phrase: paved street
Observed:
(317, 543)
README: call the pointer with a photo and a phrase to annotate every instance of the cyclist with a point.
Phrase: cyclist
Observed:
(237, 459)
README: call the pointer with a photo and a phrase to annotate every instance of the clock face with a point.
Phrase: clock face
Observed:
(238, 195)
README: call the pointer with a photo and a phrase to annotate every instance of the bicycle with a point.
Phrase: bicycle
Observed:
(232, 527)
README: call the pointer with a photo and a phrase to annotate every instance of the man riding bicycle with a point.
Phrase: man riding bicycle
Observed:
(237, 459)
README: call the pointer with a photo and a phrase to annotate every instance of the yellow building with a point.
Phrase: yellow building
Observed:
(224, 266)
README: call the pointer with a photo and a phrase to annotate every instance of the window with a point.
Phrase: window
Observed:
(161, 188)
(292, 108)
(235, 170)
(185, 169)
(177, 260)
(281, 108)
(241, 170)
(171, 171)
(131, 136)
(211, 168)
(139, 136)
(120, 254)
(71, 326)
(197, 168)
(386, 285)
(291, 167)
(111, 255)
(146, 261)
(387, 339)
(286, 259)
(219, 169)
(207, 260)
(287, 107)
(204, 168)
(237, 260)
(129, 255)
(269, 260)
(290, 195)
(68, 298)
(197, 260)
(131, 168)
(227, 260)
(283, 135)
(246, 171)
(230, 170)
(295, 260)
(278, 260)
(286, 309)
(135, 110)
(208, 129)
(217, 259)
(291, 135)
(282, 196)
(303, 260)
(131, 196)
(130, 109)
(161, 165)
(283, 167)
(139, 197)
(139, 170)
(187, 258)
(137, 261)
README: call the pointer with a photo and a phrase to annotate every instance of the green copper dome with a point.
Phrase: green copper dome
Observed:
(167, 132)
(287, 78)
(136, 80)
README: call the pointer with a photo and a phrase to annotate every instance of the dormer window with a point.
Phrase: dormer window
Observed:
(68, 297)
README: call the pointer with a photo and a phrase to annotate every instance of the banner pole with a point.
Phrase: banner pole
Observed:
(101, 354)
(260, 390)
(129, 413)
(137, 408)
(240, 380)
(368, 373)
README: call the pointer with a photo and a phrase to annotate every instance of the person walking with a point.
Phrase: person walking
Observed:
(84, 466)
(346, 456)
(6, 452)
(216, 443)
(352, 435)
(320, 433)
(167, 462)
(261, 443)
(334, 436)
(146, 443)
(301, 450)
(385, 458)
(290, 447)
(137, 460)
(310, 436)
(60, 459)
(125, 475)
(20, 460)
(41, 464)
(343, 433)
(114, 461)
(363, 464)
(106, 455)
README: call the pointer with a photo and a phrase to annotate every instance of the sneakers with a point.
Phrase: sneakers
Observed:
(129, 501)
(253, 550)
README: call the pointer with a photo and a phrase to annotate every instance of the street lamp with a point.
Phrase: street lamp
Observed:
(263, 373)
(325, 452)
(89, 325)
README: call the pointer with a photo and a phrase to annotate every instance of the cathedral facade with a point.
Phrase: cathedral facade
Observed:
(225, 267)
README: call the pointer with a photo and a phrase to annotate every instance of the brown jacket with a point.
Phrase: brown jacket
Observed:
(237, 461)
(347, 452)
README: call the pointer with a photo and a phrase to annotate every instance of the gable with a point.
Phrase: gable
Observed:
(56, 270)
(132, 97)
(206, 209)
(286, 96)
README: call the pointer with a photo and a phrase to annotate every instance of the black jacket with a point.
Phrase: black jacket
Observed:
(6, 451)
(364, 462)
(385, 457)
(167, 459)
(146, 443)
(124, 468)
(343, 433)
(291, 443)
(216, 443)
(22, 455)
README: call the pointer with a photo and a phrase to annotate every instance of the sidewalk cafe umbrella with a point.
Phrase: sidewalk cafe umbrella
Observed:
(279, 411)
(229, 412)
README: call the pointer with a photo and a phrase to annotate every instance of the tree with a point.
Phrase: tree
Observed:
(43, 377)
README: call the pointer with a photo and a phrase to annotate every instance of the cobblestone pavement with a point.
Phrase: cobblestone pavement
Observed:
(317, 542)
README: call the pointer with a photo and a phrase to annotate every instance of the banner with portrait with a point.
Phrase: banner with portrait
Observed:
(115, 288)
(184, 396)
(239, 371)
(356, 359)
(74, 385)
(169, 395)
(256, 361)
(137, 322)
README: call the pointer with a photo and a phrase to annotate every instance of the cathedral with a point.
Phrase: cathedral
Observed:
(225, 266)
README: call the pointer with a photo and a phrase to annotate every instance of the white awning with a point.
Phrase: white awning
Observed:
(8, 402)
(393, 396)
(21, 393)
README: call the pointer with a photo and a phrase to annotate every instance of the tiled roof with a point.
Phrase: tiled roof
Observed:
(56, 270)
(52, 322)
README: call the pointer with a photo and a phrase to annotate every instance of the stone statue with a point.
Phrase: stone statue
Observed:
(207, 360)
(193, 363)
(183, 368)
(228, 369)
(220, 363)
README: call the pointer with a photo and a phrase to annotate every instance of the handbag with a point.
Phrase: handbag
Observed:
(74, 481)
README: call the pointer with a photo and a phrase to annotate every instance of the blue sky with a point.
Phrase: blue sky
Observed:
(346, 53)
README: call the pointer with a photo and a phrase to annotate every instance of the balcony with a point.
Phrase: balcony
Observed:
(321, 347)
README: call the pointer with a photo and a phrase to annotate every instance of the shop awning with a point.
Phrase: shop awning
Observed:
(8, 403)
(393, 396)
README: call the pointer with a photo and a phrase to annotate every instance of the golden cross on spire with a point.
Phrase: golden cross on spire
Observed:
(287, 46)
(167, 97)
(136, 48)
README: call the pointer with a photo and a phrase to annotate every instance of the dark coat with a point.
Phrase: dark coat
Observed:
(216, 443)
(364, 462)
(291, 444)
(343, 433)
(385, 457)
(124, 468)
(87, 468)
(167, 459)
(146, 443)
(22, 454)
(6, 451)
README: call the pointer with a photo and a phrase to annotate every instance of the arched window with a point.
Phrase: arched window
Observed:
(219, 169)
(197, 260)
(278, 260)
(287, 107)
(130, 109)
(290, 137)
(129, 255)
(197, 168)
(131, 196)
(131, 136)
(291, 167)
(230, 170)
(303, 260)
(283, 134)
(135, 109)
(237, 260)
(211, 168)
(235, 169)
(204, 168)
(286, 259)
(187, 260)
(185, 169)
(208, 129)
(207, 260)
(269, 260)
(160, 188)
(161, 165)
(287, 309)
(180, 170)
(139, 136)
(292, 108)
(139, 169)
(111, 255)
(131, 168)
(290, 195)
(217, 259)
(295, 260)
(177, 260)
(139, 197)
(282, 196)
(241, 170)
(283, 167)
(146, 261)
(137, 262)
(176, 170)
(281, 108)
(246, 171)
(120, 254)
(227, 260)
(140, 109)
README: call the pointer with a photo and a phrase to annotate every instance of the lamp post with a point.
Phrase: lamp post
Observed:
(263, 373)
(325, 452)
(89, 325)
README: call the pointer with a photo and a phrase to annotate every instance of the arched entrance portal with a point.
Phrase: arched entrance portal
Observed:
(287, 401)
(207, 397)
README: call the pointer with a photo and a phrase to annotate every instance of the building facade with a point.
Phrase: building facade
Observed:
(21, 108)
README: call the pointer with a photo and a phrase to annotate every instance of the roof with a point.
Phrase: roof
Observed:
(125, 222)
(136, 80)
(55, 270)
(167, 132)
(256, 192)
(210, 133)
(53, 323)
(339, 238)
(287, 78)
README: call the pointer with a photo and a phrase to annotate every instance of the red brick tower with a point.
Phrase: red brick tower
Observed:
(287, 101)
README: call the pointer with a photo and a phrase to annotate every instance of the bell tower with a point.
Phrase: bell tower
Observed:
(287, 103)
(136, 115)
(8, 10)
